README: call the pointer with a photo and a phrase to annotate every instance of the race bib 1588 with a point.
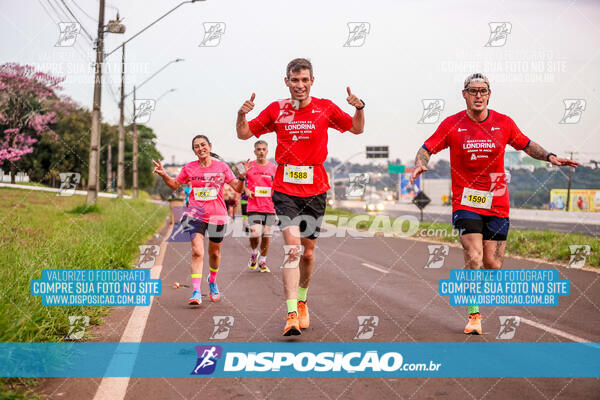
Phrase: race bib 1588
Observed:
(299, 174)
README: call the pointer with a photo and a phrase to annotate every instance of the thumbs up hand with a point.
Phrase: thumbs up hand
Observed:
(353, 100)
(247, 106)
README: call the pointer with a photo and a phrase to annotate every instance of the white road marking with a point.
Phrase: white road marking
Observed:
(376, 268)
(554, 331)
(112, 388)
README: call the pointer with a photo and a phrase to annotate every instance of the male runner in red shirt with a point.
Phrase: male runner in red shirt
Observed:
(477, 138)
(301, 183)
(261, 211)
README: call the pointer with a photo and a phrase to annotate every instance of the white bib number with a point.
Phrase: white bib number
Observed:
(299, 174)
(262, 191)
(477, 198)
(205, 193)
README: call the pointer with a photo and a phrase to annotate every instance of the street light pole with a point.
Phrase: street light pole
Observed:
(93, 177)
(121, 146)
(135, 150)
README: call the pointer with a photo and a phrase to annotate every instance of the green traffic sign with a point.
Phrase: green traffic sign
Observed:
(396, 169)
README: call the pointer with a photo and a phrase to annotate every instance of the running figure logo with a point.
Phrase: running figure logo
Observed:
(579, 252)
(499, 32)
(366, 326)
(207, 359)
(573, 110)
(432, 110)
(292, 255)
(68, 34)
(68, 183)
(286, 112)
(148, 254)
(499, 182)
(223, 324)
(213, 31)
(357, 33)
(357, 184)
(77, 325)
(508, 326)
(437, 255)
(143, 110)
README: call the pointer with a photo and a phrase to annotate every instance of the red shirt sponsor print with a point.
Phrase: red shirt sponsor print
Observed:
(301, 142)
(477, 160)
(206, 202)
(259, 180)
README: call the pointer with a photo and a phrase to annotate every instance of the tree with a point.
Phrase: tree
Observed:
(26, 110)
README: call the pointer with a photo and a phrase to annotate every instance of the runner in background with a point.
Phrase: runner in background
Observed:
(206, 212)
(477, 138)
(299, 191)
(261, 211)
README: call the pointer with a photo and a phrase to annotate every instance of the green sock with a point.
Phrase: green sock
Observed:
(292, 305)
(473, 309)
(302, 293)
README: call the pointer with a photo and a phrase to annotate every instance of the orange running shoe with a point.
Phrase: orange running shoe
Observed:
(292, 326)
(474, 325)
(303, 316)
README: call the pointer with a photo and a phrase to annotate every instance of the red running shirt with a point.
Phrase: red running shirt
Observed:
(301, 140)
(477, 160)
(259, 180)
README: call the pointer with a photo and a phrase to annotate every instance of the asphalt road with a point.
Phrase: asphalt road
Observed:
(565, 227)
(383, 277)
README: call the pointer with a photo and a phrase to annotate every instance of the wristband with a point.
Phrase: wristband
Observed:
(363, 106)
(548, 156)
(242, 179)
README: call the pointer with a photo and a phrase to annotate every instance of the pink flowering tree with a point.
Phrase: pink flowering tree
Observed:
(26, 110)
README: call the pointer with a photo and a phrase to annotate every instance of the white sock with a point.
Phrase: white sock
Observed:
(254, 251)
(262, 259)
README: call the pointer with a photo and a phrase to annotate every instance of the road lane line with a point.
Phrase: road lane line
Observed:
(115, 388)
(376, 268)
(554, 331)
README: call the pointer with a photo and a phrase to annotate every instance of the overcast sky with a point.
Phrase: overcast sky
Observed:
(412, 51)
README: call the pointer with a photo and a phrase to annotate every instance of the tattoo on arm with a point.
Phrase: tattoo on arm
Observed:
(536, 151)
(422, 158)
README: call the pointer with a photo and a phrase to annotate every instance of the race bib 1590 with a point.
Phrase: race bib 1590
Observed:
(476, 198)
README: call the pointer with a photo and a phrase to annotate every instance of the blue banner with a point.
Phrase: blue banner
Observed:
(299, 360)
(95, 287)
(504, 287)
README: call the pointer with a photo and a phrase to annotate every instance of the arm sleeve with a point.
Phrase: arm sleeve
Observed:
(183, 176)
(265, 122)
(439, 140)
(229, 176)
(517, 139)
(339, 119)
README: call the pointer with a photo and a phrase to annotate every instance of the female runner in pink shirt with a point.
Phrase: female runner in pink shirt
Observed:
(206, 210)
